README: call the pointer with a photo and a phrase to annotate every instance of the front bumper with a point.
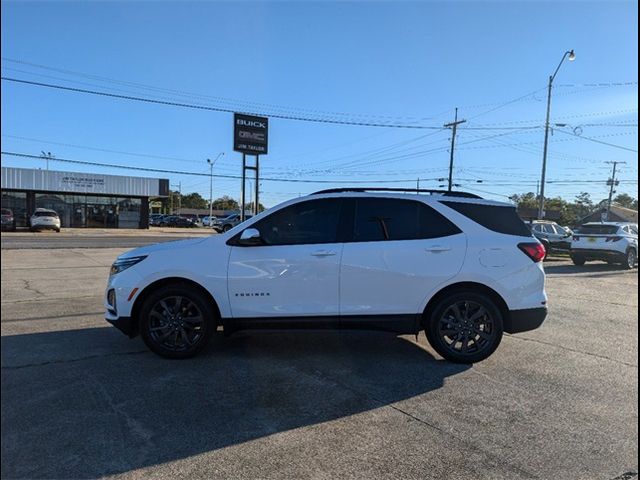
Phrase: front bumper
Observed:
(590, 254)
(524, 320)
(126, 325)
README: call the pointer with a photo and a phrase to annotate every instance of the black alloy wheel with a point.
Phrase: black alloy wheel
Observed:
(466, 327)
(176, 321)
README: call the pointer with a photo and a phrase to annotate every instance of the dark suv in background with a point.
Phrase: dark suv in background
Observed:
(8, 220)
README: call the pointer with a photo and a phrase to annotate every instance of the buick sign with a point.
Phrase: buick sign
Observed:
(250, 134)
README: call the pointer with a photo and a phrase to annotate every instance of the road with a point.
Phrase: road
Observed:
(99, 239)
(81, 400)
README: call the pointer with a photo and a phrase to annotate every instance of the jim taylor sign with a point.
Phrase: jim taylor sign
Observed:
(250, 134)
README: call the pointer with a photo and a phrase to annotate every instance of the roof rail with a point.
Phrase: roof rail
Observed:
(445, 193)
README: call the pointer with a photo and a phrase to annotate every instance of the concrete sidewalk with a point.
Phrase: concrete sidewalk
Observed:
(116, 232)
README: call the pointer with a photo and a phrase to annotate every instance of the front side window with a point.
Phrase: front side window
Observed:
(633, 229)
(313, 221)
(379, 219)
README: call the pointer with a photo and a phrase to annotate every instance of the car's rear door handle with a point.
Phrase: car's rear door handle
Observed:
(323, 253)
(437, 248)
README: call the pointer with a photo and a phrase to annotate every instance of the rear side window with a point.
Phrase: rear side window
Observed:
(598, 229)
(496, 218)
(379, 219)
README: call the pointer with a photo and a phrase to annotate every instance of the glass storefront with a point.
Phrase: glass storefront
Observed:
(90, 211)
(17, 203)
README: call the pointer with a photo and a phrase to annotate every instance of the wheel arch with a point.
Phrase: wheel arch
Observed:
(465, 287)
(142, 296)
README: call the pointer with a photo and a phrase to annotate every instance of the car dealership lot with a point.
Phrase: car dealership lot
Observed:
(81, 400)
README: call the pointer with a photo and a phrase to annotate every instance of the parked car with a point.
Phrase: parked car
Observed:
(553, 236)
(44, 219)
(192, 217)
(177, 221)
(207, 221)
(227, 223)
(461, 268)
(156, 218)
(608, 241)
(8, 220)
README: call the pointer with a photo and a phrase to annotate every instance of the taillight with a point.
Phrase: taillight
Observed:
(613, 239)
(535, 251)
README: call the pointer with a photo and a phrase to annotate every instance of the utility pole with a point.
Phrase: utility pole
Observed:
(453, 126)
(612, 181)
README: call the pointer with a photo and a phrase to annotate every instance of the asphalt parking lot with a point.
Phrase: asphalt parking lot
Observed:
(80, 400)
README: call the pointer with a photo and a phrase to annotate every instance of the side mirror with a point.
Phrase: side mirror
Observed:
(250, 237)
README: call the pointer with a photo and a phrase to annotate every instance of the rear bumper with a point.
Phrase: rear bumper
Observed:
(525, 320)
(590, 254)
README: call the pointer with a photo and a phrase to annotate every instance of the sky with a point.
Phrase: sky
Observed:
(402, 66)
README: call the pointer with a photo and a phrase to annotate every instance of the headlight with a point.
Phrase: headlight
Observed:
(122, 264)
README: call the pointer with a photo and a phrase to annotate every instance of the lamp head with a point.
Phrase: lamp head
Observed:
(572, 56)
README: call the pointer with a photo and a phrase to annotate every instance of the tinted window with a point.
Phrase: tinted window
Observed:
(314, 221)
(633, 229)
(549, 229)
(45, 214)
(496, 218)
(393, 219)
(598, 229)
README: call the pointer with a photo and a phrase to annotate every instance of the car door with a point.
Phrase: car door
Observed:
(294, 271)
(401, 251)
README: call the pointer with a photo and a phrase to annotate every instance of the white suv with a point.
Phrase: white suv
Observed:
(462, 268)
(608, 241)
(44, 219)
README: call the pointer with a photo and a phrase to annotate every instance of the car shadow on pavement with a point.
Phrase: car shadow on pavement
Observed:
(93, 403)
(587, 268)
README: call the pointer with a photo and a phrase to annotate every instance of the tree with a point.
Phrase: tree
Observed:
(249, 207)
(526, 200)
(225, 203)
(627, 201)
(194, 200)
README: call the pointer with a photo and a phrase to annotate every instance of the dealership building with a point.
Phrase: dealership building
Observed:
(81, 199)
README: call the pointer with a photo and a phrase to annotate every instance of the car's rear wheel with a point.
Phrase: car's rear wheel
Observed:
(632, 258)
(226, 228)
(177, 321)
(465, 327)
(579, 261)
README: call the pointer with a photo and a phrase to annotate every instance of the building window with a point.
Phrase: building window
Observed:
(17, 203)
(129, 212)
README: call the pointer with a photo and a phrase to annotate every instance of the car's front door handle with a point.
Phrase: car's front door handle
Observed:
(437, 248)
(323, 253)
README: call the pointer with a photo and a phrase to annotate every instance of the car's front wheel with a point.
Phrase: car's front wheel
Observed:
(465, 327)
(177, 321)
(632, 258)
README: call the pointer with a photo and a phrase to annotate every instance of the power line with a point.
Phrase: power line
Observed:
(597, 141)
(198, 174)
(216, 109)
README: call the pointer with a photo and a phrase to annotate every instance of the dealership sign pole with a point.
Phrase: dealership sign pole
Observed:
(250, 137)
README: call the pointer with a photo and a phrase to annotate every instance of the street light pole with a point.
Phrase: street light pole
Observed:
(572, 57)
(211, 187)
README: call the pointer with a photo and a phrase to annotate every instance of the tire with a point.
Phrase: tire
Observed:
(168, 324)
(226, 228)
(632, 258)
(579, 261)
(57, 230)
(445, 328)
(547, 249)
